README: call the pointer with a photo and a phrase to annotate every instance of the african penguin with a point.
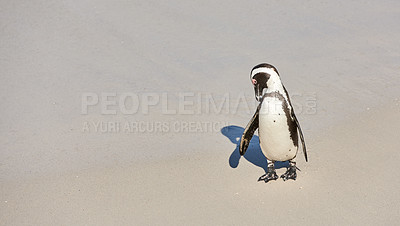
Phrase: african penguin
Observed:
(278, 127)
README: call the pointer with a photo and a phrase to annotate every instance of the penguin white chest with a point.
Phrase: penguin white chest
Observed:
(274, 132)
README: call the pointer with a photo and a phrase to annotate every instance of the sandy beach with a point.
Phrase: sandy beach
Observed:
(346, 182)
(130, 112)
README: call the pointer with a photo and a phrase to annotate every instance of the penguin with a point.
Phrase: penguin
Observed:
(277, 124)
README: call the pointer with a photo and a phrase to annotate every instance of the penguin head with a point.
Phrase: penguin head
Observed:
(262, 77)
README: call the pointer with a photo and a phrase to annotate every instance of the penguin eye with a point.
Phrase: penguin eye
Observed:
(254, 81)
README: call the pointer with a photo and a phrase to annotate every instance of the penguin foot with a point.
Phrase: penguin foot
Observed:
(290, 173)
(270, 175)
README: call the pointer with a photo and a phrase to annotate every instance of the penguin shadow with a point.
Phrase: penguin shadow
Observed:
(253, 154)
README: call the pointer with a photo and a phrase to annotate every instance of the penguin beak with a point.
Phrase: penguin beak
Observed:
(258, 92)
(260, 83)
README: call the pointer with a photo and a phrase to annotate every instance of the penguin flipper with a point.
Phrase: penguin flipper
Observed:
(298, 126)
(248, 133)
(301, 135)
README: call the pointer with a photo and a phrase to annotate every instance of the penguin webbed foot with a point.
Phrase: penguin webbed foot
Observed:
(270, 175)
(290, 173)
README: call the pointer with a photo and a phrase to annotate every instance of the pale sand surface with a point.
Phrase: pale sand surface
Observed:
(346, 54)
(352, 178)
